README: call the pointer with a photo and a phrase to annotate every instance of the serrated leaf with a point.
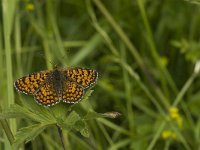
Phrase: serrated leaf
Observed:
(27, 134)
(72, 118)
(18, 111)
(85, 132)
(60, 110)
(44, 113)
(80, 125)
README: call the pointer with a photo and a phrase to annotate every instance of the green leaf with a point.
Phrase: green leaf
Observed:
(41, 115)
(85, 132)
(60, 110)
(27, 134)
(82, 127)
(44, 114)
(72, 118)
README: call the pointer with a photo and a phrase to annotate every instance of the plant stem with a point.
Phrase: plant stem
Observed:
(61, 136)
(7, 130)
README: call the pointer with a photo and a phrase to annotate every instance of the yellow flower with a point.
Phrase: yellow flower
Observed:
(30, 7)
(173, 111)
(174, 115)
(167, 134)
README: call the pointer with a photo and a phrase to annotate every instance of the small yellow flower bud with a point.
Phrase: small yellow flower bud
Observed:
(30, 7)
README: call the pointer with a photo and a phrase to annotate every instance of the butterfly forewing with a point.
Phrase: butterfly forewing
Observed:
(83, 77)
(72, 92)
(30, 83)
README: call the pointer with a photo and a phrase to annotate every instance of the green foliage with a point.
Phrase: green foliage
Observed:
(147, 55)
(29, 133)
(47, 117)
(189, 49)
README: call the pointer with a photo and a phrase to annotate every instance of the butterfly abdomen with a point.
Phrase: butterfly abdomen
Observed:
(57, 81)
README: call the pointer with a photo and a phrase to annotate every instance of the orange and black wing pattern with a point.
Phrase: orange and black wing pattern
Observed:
(31, 83)
(47, 95)
(83, 77)
(51, 87)
(72, 92)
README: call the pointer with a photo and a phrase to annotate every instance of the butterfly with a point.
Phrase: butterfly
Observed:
(50, 87)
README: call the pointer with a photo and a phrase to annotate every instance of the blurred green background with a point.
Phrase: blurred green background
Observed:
(147, 55)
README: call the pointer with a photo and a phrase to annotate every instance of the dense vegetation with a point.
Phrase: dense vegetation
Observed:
(147, 55)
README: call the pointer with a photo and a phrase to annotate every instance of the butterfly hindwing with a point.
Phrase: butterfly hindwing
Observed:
(47, 95)
(72, 92)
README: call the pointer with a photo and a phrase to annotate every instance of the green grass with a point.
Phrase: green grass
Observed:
(146, 53)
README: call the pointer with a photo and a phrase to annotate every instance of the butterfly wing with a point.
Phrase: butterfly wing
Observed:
(31, 83)
(83, 77)
(43, 85)
(47, 95)
(72, 92)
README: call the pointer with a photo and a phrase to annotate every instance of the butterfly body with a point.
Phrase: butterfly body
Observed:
(60, 84)
(57, 78)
